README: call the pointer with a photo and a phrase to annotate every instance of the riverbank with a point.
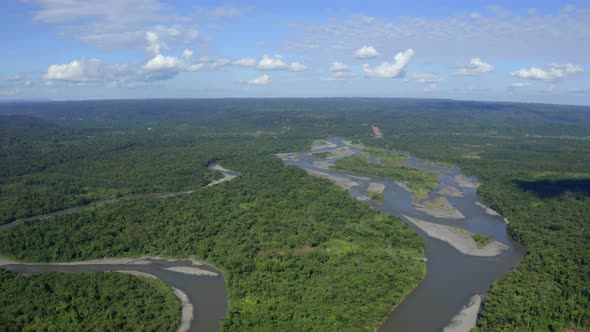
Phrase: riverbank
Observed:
(462, 241)
(466, 319)
(186, 316)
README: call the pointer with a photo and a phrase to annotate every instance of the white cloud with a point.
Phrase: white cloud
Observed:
(443, 39)
(165, 63)
(268, 63)
(117, 23)
(391, 70)
(76, 71)
(297, 66)
(475, 67)
(123, 11)
(339, 67)
(187, 54)
(220, 63)
(366, 52)
(155, 45)
(246, 62)
(519, 85)
(262, 80)
(552, 73)
(425, 78)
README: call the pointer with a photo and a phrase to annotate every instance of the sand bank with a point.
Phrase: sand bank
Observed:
(187, 311)
(138, 273)
(376, 187)
(465, 182)
(465, 320)
(488, 210)
(191, 270)
(321, 144)
(461, 241)
(450, 191)
(104, 261)
(404, 186)
(339, 181)
(323, 164)
(226, 176)
(438, 207)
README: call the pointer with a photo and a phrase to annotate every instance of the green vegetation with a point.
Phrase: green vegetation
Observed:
(298, 253)
(482, 240)
(86, 302)
(420, 181)
(542, 186)
(322, 155)
(385, 158)
(374, 196)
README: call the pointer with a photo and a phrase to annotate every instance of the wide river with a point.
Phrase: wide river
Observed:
(452, 277)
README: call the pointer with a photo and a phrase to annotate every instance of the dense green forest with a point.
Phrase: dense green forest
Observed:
(542, 185)
(86, 302)
(326, 262)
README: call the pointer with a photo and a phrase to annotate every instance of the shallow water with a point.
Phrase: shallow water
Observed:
(452, 277)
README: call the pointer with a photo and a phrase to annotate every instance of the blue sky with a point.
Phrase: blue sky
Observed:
(527, 51)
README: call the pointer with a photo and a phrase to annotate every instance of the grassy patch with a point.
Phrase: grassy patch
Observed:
(461, 231)
(374, 196)
(421, 182)
(322, 155)
(482, 240)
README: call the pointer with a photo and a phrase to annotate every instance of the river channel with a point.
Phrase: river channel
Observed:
(453, 278)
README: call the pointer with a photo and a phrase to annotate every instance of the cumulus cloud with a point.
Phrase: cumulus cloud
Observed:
(548, 36)
(267, 63)
(155, 45)
(338, 67)
(76, 71)
(475, 67)
(165, 63)
(162, 67)
(366, 52)
(187, 54)
(262, 80)
(553, 72)
(297, 66)
(391, 70)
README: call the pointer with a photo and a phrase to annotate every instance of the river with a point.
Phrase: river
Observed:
(453, 278)
(207, 294)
